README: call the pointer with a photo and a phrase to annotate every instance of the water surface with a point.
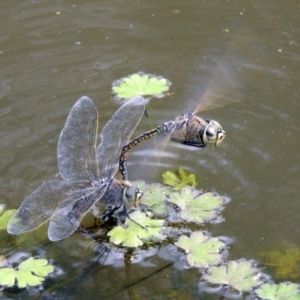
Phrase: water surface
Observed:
(52, 53)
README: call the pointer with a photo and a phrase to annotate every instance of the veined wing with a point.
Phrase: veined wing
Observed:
(116, 133)
(214, 83)
(68, 215)
(76, 151)
(38, 207)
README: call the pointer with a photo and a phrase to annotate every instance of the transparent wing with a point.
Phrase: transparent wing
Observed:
(76, 152)
(68, 215)
(38, 207)
(214, 82)
(116, 133)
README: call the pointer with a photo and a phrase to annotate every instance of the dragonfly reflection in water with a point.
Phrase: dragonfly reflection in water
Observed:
(87, 171)
(189, 129)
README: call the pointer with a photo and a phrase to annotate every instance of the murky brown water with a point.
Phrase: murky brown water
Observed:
(53, 52)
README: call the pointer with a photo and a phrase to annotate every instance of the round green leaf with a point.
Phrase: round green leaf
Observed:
(140, 84)
(134, 235)
(282, 291)
(240, 275)
(30, 272)
(197, 207)
(202, 251)
(5, 216)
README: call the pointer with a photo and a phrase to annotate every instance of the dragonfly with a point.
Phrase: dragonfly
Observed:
(189, 129)
(87, 172)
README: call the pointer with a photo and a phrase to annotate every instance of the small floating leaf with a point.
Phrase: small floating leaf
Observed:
(202, 250)
(240, 275)
(197, 207)
(282, 291)
(140, 84)
(155, 197)
(179, 179)
(30, 272)
(285, 259)
(5, 216)
(134, 235)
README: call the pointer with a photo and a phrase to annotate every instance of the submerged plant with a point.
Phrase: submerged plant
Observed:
(30, 272)
(140, 84)
(285, 259)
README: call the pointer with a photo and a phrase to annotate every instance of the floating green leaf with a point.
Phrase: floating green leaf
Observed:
(5, 216)
(197, 207)
(30, 272)
(285, 259)
(202, 250)
(134, 235)
(154, 197)
(179, 179)
(240, 275)
(282, 291)
(140, 84)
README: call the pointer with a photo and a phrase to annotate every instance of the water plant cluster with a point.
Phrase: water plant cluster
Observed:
(175, 213)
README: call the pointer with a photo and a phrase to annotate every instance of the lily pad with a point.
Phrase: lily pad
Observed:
(5, 216)
(240, 275)
(140, 84)
(285, 259)
(202, 250)
(179, 179)
(30, 272)
(134, 235)
(155, 197)
(282, 291)
(196, 206)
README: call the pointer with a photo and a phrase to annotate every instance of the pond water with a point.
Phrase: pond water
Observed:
(53, 52)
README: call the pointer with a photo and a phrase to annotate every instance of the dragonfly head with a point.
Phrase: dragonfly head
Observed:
(132, 193)
(213, 133)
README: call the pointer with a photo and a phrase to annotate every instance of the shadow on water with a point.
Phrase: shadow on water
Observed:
(53, 53)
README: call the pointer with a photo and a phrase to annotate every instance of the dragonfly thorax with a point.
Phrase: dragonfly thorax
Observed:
(213, 133)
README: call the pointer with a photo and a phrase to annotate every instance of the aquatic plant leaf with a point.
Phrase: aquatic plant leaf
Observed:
(140, 84)
(282, 291)
(179, 179)
(202, 251)
(197, 207)
(154, 197)
(240, 275)
(3, 261)
(2, 208)
(30, 272)
(285, 259)
(134, 235)
(5, 216)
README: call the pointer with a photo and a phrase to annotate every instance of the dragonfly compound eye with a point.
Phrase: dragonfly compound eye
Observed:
(213, 133)
(130, 192)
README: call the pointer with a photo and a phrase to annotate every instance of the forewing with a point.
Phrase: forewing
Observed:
(38, 207)
(116, 133)
(67, 217)
(214, 82)
(76, 152)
